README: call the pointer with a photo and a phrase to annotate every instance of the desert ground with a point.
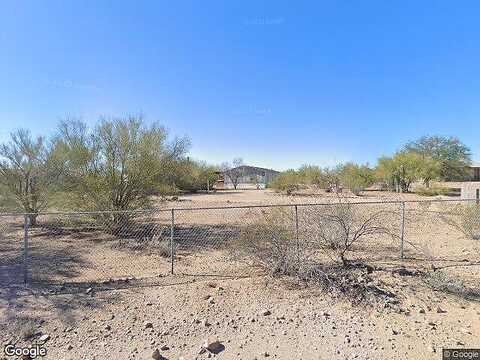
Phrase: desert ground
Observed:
(91, 295)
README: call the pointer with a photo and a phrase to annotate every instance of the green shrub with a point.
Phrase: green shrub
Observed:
(431, 191)
(356, 177)
(288, 181)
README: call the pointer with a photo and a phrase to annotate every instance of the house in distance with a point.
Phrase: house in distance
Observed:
(246, 177)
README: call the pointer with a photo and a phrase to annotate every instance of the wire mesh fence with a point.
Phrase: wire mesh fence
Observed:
(12, 252)
(59, 248)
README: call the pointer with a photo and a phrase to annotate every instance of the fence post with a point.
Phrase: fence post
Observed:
(172, 245)
(402, 228)
(296, 234)
(25, 249)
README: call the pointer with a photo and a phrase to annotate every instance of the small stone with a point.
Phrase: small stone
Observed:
(44, 338)
(421, 311)
(164, 348)
(88, 291)
(156, 355)
(69, 347)
(440, 310)
(205, 323)
(213, 345)
(147, 325)
(266, 313)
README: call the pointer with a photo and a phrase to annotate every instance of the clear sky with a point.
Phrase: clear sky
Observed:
(279, 83)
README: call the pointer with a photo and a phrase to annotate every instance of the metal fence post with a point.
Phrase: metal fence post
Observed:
(296, 234)
(402, 228)
(172, 245)
(25, 250)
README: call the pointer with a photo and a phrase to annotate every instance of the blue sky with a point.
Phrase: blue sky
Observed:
(279, 83)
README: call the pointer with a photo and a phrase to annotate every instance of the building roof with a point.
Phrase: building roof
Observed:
(474, 164)
(254, 168)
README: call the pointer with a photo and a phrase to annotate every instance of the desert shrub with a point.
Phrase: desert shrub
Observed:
(356, 177)
(29, 172)
(313, 175)
(335, 229)
(25, 327)
(465, 217)
(270, 242)
(118, 165)
(163, 248)
(404, 168)
(193, 176)
(324, 230)
(287, 181)
(431, 191)
(166, 189)
(440, 281)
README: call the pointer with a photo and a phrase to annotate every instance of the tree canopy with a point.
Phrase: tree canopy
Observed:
(116, 166)
(451, 154)
(29, 172)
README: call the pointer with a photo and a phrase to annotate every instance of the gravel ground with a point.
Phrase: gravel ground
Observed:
(252, 318)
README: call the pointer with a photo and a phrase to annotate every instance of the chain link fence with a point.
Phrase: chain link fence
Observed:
(100, 247)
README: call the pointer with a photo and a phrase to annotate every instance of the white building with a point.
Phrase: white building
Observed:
(246, 177)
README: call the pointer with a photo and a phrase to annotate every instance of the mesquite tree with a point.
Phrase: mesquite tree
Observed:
(117, 165)
(235, 172)
(29, 172)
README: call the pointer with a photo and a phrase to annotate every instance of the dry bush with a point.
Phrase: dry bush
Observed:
(464, 217)
(440, 281)
(335, 229)
(330, 230)
(24, 327)
(353, 282)
(270, 242)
